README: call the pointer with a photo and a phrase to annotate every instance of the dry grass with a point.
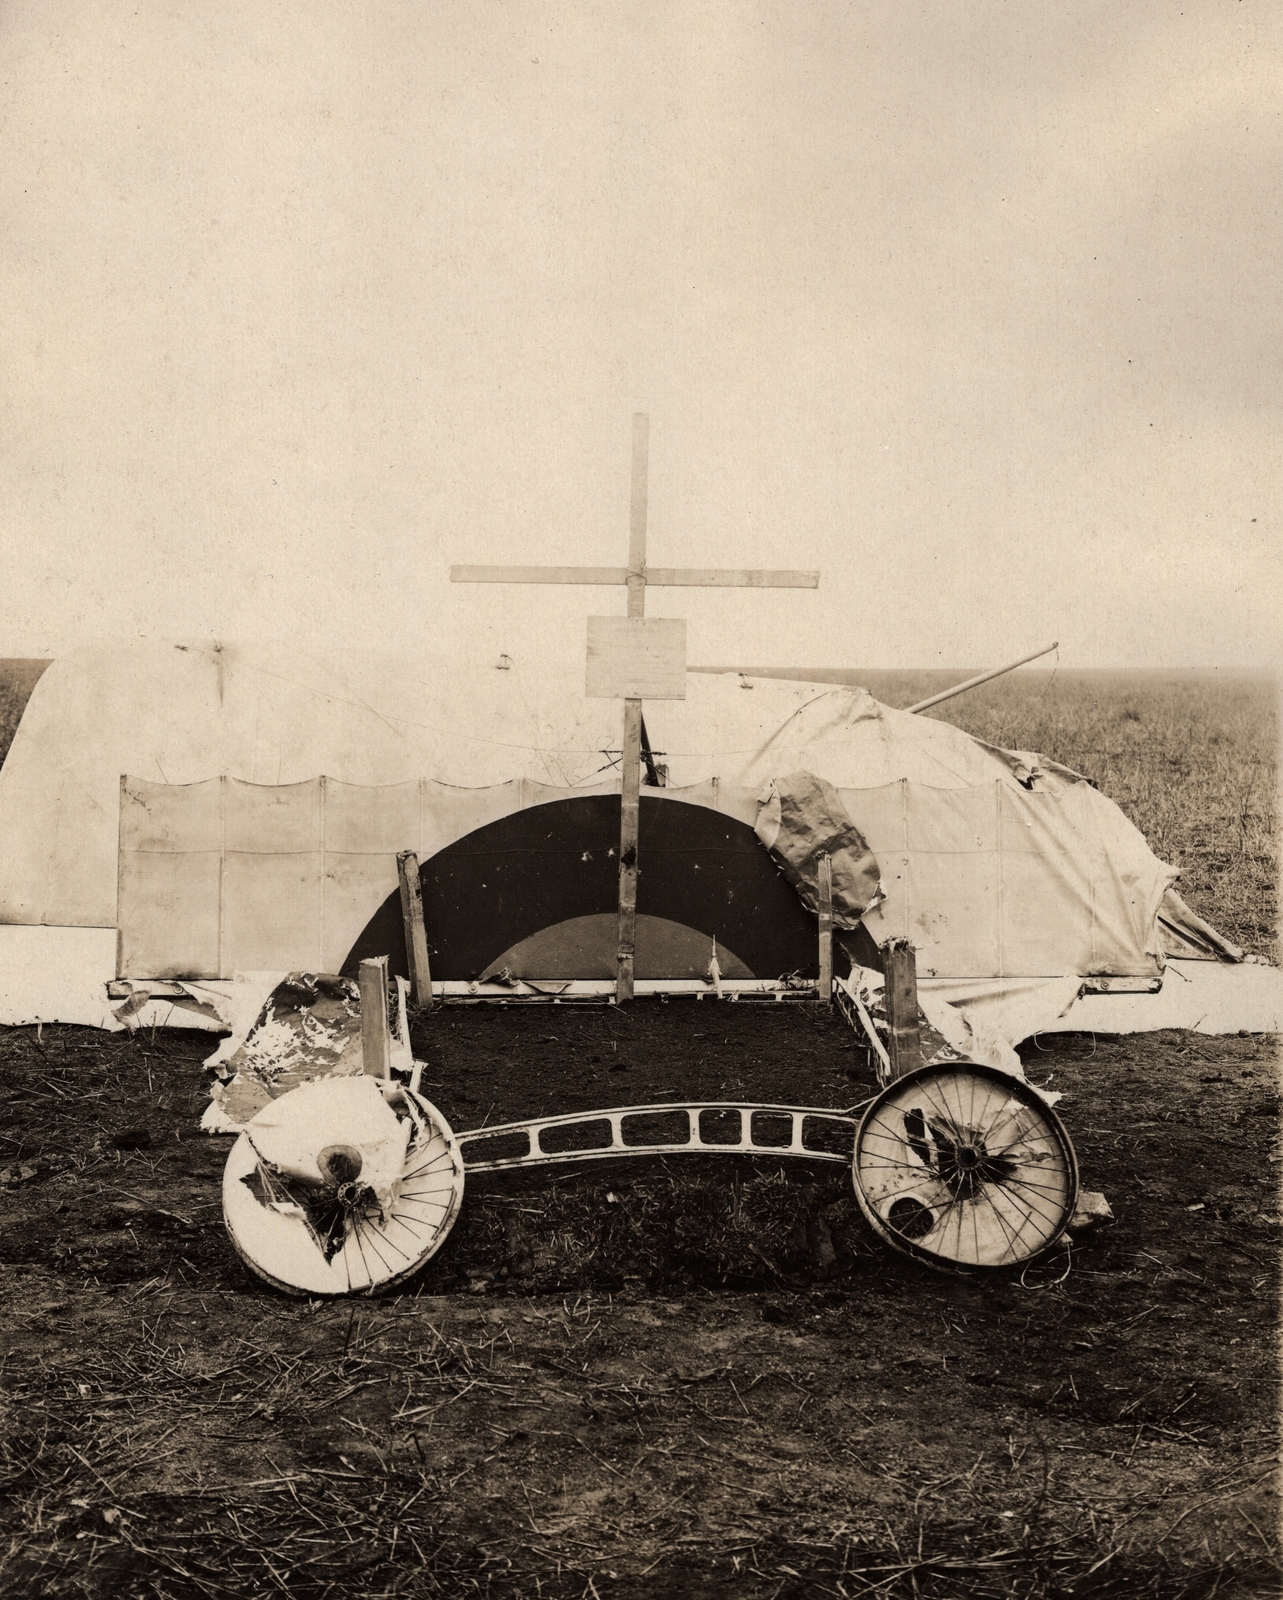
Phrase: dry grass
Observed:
(669, 1480)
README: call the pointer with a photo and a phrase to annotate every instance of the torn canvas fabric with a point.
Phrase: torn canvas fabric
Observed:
(800, 818)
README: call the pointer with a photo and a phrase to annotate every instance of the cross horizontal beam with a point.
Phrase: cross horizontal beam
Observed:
(730, 578)
(663, 577)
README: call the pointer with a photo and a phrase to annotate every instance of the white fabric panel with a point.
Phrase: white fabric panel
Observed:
(354, 888)
(271, 887)
(283, 820)
(997, 880)
(938, 854)
(271, 909)
(170, 879)
(365, 819)
(952, 880)
(1045, 865)
(161, 817)
(448, 811)
(363, 828)
(1061, 870)
(171, 924)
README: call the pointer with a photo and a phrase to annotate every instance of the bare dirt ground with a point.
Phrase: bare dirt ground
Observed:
(691, 1380)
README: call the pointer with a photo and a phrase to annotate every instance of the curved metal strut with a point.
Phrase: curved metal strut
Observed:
(614, 1122)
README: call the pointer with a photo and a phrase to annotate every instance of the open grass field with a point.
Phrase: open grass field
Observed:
(18, 677)
(704, 1380)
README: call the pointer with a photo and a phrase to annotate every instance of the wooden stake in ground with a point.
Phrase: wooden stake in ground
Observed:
(900, 973)
(640, 660)
(416, 937)
(376, 1037)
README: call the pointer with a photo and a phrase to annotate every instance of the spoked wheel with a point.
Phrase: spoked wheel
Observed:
(332, 1190)
(964, 1167)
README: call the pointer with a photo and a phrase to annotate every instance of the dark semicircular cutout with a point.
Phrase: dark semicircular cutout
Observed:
(548, 864)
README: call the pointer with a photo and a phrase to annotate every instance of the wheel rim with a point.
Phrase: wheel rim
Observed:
(965, 1167)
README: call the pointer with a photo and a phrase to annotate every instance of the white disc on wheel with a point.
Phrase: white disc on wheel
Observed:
(332, 1190)
(964, 1166)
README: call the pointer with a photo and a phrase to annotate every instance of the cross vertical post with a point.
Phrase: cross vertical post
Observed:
(630, 787)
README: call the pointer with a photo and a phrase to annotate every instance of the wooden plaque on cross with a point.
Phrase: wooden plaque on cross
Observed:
(643, 659)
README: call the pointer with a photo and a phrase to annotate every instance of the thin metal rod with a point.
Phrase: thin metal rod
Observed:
(984, 677)
(648, 756)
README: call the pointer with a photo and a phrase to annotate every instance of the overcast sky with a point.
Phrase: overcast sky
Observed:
(974, 307)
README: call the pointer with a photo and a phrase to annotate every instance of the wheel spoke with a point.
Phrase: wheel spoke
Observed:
(878, 1160)
(942, 1107)
(429, 1167)
(354, 1237)
(383, 1235)
(1030, 1213)
(1013, 1238)
(951, 1205)
(1035, 1188)
(369, 1231)
(415, 1232)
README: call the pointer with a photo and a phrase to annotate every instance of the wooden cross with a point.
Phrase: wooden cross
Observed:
(637, 577)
